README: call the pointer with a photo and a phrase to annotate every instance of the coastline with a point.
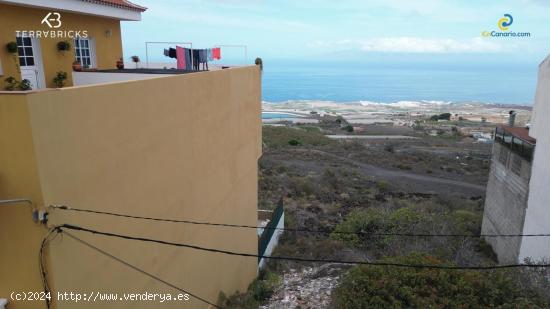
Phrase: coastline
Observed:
(396, 113)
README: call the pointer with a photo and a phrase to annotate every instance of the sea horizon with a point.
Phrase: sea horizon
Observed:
(388, 82)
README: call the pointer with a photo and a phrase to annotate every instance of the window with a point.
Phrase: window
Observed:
(84, 52)
(24, 51)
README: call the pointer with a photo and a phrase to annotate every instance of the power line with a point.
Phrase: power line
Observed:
(77, 228)
(138, 269)
(361, 233)
(42, 264)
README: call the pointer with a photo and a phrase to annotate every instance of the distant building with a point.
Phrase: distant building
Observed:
(518, 191)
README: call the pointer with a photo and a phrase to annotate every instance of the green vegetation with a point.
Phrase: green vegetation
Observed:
(11, 47)
(285, 136)
(390, 287)
(348, 128)
(325, 187)
(59, 79)
(25, 85)
(11, 84)
(444, 116)
(258, 291)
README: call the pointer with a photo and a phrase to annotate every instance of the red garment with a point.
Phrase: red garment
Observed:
(180, 55)
(217, 53)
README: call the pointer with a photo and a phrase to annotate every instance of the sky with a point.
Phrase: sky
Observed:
(377, 30)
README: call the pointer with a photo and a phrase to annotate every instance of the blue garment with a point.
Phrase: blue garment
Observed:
(209, 54)
(188, 64)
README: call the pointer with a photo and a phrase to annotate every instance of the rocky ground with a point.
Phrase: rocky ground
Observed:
(310, 287)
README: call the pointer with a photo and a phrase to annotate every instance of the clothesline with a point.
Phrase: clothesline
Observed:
(191, 59)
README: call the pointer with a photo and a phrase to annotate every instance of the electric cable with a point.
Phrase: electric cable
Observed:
(361, 233)
(42, 265)
(402, 265)
(89, 245)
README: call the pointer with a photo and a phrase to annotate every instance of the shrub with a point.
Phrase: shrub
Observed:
(11, 47)
(348, 128)
(25, 85)
(63, 46)
(285, 136)
(444, 116)
(294, 142)
(383, 186)
(391, 287)
(258, 291)
(10, 83)
(371, 220)
(59, 79)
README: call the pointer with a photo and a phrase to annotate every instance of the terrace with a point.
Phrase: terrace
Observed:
(517, 139)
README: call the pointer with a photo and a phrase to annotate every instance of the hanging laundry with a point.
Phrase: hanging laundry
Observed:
(217, 53)
(209, 54)
(180, 55)
(188, 63)
(172, 53)
(196, 59)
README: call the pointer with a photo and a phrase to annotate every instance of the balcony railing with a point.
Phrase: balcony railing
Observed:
(515, 143)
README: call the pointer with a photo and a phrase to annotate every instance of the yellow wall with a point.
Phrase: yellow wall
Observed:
(175, 147)
(12, 18)
(20, 237)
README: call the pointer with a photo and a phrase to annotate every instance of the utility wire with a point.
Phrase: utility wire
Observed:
(138, 269)
(42, 264)
(77, 228)
(63, 207)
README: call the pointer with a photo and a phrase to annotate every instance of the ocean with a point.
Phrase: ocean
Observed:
(391, 82)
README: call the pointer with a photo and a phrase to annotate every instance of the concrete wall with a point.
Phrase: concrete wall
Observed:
(538, 212)
(505, 203)
(12, 18)
(93, 78)
(182, 147)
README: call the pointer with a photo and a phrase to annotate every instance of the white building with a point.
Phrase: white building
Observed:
(537, 216)
(518, 189)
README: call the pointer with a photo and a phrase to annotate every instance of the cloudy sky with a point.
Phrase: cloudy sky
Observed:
(354, 29)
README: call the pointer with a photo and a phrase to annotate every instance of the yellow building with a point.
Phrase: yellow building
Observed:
(92, 29)
(177, 146)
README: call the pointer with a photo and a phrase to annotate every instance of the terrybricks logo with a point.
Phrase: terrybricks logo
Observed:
(505, 22)
(52, 21)
(48, 20)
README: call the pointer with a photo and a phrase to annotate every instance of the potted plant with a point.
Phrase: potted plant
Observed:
(63, 46)
(59, 79)
(25, 85)
(11, 47)
(77, 66)
(120, 64)
(259, 62)
(135, 59)
(10, 83)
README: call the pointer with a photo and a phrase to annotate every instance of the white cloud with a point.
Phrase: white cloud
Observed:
(417, 45)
